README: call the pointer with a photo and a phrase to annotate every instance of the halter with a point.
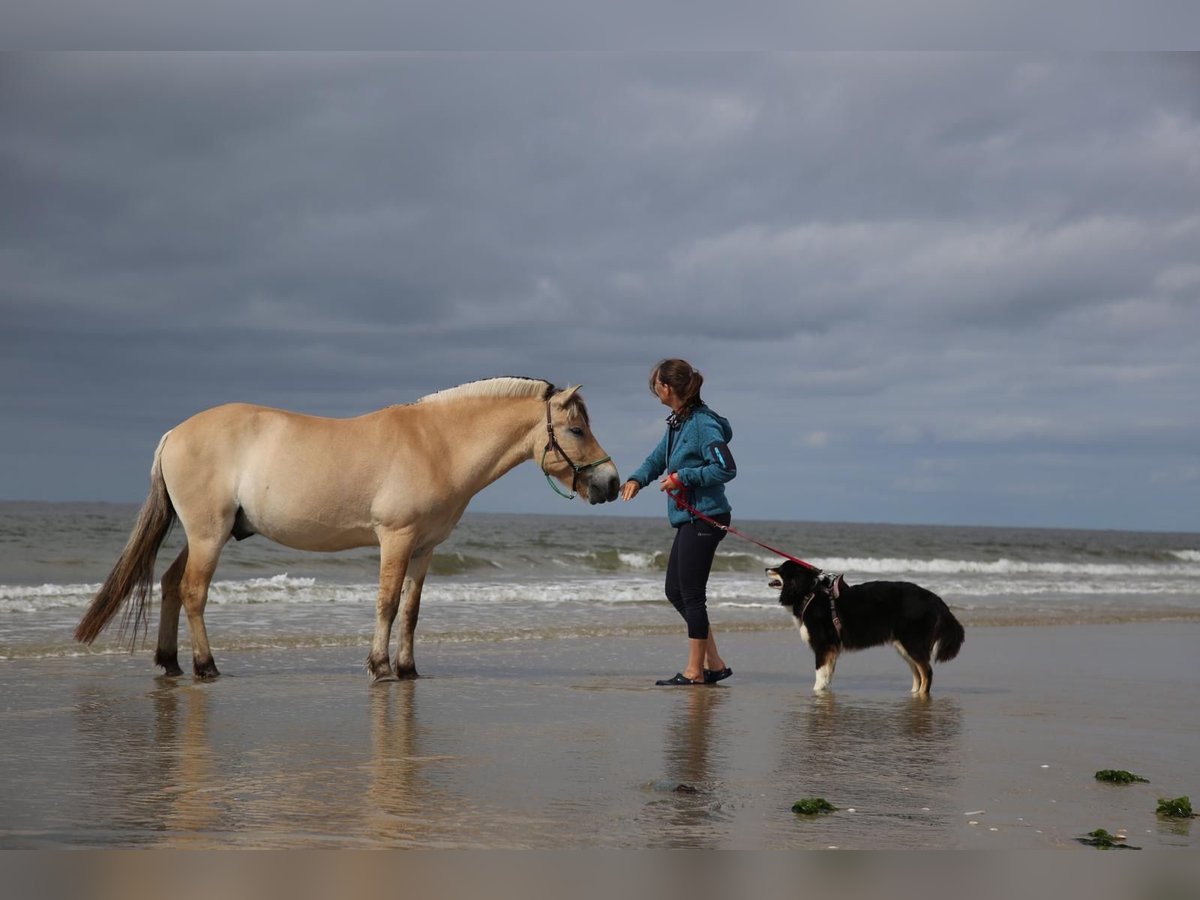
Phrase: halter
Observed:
(553, 444)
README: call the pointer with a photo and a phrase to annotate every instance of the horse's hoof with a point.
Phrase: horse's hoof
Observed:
(205, 670)
(384, 678)
(406, 674)
(380, 670)
(169, 663)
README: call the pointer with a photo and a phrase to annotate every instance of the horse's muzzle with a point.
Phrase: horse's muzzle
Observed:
(604, 484)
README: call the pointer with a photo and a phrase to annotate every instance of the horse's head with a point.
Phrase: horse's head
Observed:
(572, 454)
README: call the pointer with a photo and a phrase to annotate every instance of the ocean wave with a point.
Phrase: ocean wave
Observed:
(1180, 563)
(615, 560)
(639, 582)
(881, 566)
(460, 564)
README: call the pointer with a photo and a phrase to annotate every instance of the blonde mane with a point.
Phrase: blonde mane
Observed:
(494, 387)
(509, 387)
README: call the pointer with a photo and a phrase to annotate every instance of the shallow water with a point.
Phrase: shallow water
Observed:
(531, 578)
(567, 744)
(537, 725)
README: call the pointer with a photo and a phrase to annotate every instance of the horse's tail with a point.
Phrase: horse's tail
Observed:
(949, 638)
(134, 572)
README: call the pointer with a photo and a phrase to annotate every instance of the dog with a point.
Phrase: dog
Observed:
(833, 616)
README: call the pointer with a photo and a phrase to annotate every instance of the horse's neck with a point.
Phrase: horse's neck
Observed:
(497, 435)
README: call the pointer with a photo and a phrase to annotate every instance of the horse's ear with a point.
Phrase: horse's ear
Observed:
(568, 392)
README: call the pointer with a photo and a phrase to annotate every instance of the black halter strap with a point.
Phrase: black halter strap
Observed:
(553, 444)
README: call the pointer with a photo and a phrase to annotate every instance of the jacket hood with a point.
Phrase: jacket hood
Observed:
(726, 428)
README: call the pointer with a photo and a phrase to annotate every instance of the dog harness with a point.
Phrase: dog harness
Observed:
(832, 584)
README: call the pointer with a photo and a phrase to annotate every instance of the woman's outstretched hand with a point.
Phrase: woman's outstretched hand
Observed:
(629, 490)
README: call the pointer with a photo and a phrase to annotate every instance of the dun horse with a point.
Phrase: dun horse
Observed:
(399, 478)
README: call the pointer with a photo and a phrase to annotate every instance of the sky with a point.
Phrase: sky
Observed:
(944, 288)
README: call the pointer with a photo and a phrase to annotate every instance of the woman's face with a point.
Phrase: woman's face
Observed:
(666, 395)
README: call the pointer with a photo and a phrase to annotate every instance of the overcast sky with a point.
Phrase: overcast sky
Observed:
(936, 288)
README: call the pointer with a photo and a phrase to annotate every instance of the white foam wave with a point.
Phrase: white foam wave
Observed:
(893, 566)
(283, 587)
(640, 582)
(1186, 555)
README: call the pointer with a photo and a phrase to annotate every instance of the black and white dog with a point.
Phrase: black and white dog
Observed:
(833, 616)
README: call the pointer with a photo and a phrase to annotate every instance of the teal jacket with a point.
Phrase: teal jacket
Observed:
(688, 450)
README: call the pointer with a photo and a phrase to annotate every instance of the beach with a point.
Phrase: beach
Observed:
(536, 723)
(567, 744)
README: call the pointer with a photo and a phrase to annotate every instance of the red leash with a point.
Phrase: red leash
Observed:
(683, 504)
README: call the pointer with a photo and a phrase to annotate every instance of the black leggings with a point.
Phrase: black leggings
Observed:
(687, 571)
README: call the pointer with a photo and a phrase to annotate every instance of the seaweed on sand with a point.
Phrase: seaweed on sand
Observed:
(811, 806)
(1105, 841)
(1119, 776)
(1179, 808)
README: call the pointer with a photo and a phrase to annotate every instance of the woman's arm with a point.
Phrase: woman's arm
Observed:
(717, 466)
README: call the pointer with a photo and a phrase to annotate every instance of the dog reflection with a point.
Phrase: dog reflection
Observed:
(900, 757)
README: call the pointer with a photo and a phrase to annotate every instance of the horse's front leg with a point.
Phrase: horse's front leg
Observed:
(394, 551)
(406, 666)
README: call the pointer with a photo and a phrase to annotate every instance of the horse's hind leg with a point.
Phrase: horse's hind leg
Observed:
(394, 553)
(167, 653)
(410, 609)
(197, 575)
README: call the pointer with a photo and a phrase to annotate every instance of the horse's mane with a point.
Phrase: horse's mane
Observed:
(509, 386)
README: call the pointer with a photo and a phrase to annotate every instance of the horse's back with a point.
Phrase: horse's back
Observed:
(305, 481)
(226, 440)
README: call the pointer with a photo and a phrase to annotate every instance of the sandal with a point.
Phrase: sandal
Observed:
(712, 676)
(678, 679)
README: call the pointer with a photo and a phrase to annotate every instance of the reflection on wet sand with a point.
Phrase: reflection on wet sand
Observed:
(415, 796)
(192, 813)
(124, 761)
(402, 804)
(688, 801)
(899, 759)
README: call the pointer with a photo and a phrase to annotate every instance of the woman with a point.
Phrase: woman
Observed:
(694, 461)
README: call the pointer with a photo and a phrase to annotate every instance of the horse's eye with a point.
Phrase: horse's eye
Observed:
(576, 430)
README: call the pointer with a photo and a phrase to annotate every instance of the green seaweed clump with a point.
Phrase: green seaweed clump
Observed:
(1119, 776)
(810, 806)
(1105, 841)
(1179, 808)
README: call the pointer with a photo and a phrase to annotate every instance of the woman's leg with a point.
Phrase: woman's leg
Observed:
(691, 562)
(712, 659)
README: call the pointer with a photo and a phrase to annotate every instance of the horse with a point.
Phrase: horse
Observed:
(398, 478)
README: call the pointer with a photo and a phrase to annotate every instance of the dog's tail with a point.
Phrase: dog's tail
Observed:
(949, 637)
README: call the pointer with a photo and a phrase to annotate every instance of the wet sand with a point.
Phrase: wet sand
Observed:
(566, 744)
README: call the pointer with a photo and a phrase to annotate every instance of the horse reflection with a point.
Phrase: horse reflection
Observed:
(194, 812)
(405, 805)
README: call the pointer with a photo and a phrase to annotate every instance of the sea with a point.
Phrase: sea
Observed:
(502, 578)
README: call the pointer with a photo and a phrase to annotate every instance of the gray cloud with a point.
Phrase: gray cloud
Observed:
(926, 287)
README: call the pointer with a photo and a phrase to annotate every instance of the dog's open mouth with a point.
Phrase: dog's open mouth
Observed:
(774, 579)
